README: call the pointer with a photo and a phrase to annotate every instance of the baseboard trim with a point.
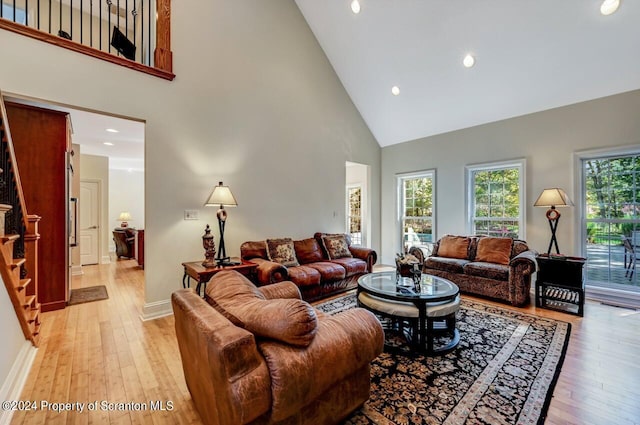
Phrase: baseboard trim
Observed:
(156, 310)
(76, 271)
(13, 385)
(105, 259)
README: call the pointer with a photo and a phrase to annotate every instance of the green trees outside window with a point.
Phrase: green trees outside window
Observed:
(496, 203)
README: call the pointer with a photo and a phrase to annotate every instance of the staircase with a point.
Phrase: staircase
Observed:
(21, 290)
(18, 240)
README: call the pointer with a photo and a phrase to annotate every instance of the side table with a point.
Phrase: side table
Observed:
(560, 283)
(195, 270)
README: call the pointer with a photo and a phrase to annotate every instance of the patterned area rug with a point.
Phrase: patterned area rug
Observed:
(502, 372)
(88, 294)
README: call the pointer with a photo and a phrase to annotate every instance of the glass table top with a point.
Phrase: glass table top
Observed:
(430, 288)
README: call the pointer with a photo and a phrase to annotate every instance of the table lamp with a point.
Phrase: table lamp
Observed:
(552, 198)
(222, 196)
(124, 217)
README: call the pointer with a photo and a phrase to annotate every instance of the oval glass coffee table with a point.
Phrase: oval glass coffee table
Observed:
(428, 307)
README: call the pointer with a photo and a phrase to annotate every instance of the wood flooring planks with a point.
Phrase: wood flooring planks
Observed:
(102, 351)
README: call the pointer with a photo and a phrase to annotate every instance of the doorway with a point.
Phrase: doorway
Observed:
(105, 148)
(358, 203)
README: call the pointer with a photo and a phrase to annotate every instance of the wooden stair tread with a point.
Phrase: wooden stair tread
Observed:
(17, 262)
(23, 284)
(33, 315)
(28, 301)
(9, 238)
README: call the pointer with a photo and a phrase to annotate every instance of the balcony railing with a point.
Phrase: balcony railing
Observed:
(132, 33)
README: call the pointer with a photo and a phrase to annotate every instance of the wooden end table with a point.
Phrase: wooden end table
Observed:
(195, 270)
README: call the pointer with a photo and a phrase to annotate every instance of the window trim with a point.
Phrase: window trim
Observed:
(579, 184)
(400, 177)
(520, 163)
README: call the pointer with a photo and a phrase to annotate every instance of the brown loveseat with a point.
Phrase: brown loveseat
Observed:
(498, 268)
(264, 356)
(322, 265)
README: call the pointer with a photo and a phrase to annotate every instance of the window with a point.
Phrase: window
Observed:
(354, 214)
(15, 14)
(496, 199)
(416, 205)
(610, 211)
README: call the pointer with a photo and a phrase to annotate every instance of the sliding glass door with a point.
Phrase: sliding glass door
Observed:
(611, 220)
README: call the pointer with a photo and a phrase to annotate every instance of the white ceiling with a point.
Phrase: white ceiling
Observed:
(531, 55)
(90, 132)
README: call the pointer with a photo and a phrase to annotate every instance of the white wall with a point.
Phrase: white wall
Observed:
(11, 336)
(547, 140)
(255, 103)
(94, 167)
(126, 193)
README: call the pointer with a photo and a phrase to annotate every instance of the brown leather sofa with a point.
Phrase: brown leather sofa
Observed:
(497, 268)
(264, 356)
(312, 267)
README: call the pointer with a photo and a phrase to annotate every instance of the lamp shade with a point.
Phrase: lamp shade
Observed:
(124, 216)
(221, 195)
(554, 197)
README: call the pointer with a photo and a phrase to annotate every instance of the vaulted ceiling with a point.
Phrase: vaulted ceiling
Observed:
(530, 55)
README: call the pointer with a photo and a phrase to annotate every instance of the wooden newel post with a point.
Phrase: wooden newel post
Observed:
(31, 238)
(163, 57)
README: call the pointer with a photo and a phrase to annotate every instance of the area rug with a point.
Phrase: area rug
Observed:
(88, 294)
(502, 372)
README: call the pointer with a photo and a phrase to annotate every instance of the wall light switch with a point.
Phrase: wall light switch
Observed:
(191, 214)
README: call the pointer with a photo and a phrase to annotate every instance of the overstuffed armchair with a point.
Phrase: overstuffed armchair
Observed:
(264, 356)
(125, 242)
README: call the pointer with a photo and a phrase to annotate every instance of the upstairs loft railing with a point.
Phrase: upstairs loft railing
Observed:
(132, 33)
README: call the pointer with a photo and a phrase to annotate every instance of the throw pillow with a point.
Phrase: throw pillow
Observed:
(454, 247)
(282, 251)
(494, 250)
(292, 321)
(336, 246)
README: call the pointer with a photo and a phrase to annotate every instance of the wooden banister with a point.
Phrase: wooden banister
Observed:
(163, 56)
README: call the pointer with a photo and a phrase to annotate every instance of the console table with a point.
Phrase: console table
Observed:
(195, 270)
(560, 284)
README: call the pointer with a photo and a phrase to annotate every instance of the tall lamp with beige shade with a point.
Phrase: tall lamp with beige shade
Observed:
(222, 196)
(553, 198)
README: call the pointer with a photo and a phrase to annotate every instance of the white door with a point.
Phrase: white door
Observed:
(89, 222)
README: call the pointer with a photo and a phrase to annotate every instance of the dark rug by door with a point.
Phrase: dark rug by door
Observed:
(86, 295)
(502, 372)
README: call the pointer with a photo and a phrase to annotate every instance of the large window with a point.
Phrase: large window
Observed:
(417, 208)
(496, 199)
(611, 220)
(354, 214)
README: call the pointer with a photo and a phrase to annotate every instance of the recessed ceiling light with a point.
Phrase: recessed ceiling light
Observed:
(469, 61)
(609, 6)
(355, 6)
(108, 143)
(112, 130)
(395, 90)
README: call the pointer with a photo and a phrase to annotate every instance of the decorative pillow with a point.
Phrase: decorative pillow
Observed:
(494, 250)
(282, 251)
(336, 246)
(454, 247)
(292, 321)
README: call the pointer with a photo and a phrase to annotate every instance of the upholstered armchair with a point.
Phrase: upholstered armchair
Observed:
(125, 242)
(263, 356)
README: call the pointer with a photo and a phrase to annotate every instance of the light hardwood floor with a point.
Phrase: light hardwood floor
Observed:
(102, 351)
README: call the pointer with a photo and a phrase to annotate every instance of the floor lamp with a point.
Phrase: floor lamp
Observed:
(222, 196)
(552, 198)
